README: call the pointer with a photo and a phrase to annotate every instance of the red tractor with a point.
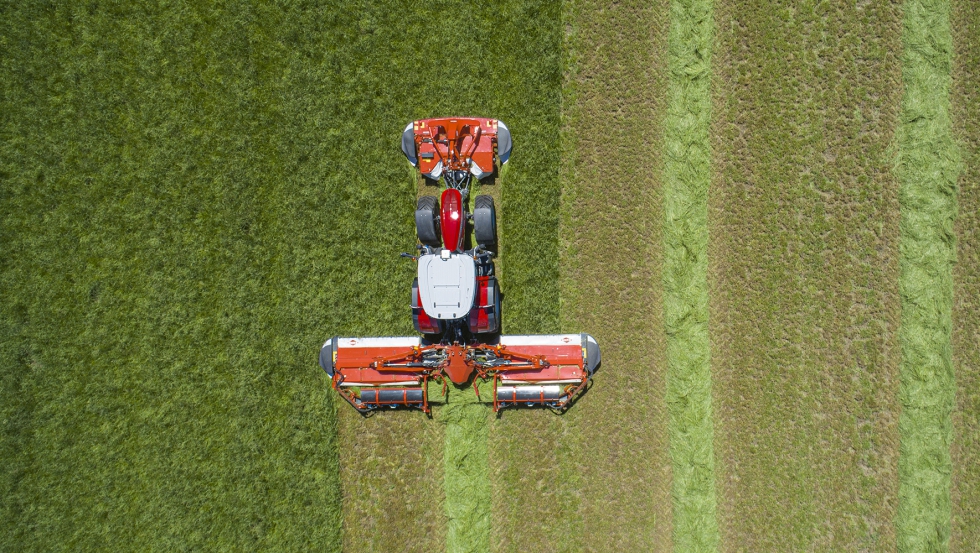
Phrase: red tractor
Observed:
(456, 298)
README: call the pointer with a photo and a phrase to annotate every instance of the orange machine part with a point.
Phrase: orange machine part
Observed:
(458, 369)
(455, 141)
(549, 363)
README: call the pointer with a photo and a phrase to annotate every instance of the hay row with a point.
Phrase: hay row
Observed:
(805, 309)
(687, 178)
(927, 167)
(613, 105)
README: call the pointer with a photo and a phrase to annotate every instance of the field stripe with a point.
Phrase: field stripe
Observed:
(687, 176)
(965, 493)
(927, 170)
(466, 481)
(615, 477)
(804, 275)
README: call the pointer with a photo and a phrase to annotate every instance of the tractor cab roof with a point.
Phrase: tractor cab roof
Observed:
(447, 284)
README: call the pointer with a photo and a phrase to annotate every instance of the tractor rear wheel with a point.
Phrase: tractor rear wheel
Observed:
(485, 221)
(427, 221)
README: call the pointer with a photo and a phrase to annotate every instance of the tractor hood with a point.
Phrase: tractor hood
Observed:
(447, 284)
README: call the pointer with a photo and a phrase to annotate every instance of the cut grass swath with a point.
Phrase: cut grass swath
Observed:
(467, 479)
(687, 175)
(927, 168)
(965, 493)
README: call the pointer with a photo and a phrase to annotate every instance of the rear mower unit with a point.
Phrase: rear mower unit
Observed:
(455, 297)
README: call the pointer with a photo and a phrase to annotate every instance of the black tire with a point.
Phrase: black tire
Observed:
(485, 221)
(427, 221)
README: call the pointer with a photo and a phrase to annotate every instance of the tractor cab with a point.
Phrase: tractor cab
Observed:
(455, 291)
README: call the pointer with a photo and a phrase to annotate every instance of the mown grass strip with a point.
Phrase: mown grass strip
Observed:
(804, 273)
(687, 176)
(613, 105)
(927, 168)
(965, 493)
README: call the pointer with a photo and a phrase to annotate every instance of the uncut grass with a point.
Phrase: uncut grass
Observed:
(615, 468)
(804, 275)
(965, 530)
(163, 261)
(927, 167)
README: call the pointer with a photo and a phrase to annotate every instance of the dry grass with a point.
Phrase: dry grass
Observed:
(965, 19)
(393, 495)
(804, 242)
(615, 475)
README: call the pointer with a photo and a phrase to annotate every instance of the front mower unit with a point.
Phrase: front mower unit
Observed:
(456, 298)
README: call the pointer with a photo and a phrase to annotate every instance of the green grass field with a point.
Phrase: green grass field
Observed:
(192, 199)
(165, 231)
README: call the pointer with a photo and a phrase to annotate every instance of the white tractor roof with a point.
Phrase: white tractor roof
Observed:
(447, 284)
